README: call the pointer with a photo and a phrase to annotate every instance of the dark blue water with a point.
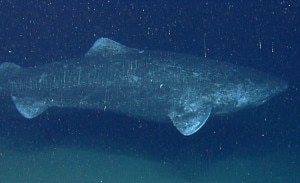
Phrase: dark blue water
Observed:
(256, 145)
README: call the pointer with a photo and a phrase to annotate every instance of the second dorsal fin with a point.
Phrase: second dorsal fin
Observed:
(105, 47)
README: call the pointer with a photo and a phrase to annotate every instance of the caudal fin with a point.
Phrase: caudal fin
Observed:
(28, 107)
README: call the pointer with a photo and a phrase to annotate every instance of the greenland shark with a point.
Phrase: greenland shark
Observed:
(152, 85)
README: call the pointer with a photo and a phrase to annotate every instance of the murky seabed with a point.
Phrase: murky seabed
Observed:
(67, 164)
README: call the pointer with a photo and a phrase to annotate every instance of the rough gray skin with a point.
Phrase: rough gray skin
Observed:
(152, 85)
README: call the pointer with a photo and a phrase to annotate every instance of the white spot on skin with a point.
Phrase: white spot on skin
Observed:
(161, 85)
(42, 77)
(242, 102)
(196, 74)
(133, 79)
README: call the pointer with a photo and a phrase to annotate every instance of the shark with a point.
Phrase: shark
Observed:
(159, 86)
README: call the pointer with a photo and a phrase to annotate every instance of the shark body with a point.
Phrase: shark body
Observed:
(152, 85)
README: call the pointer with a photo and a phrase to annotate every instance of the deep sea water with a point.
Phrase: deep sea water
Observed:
(66, 145)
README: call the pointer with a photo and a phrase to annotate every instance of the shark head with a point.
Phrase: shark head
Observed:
(246, 90)
(265, 88)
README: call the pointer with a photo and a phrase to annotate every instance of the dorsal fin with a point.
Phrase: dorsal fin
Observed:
(106, 47)
(8, 69)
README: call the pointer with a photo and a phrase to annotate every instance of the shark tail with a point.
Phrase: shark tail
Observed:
(27, 106)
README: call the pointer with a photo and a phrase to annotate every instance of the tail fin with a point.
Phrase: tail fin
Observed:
(27, 106)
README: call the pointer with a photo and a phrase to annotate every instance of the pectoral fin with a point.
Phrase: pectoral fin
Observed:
(29, 107)
(190, 119)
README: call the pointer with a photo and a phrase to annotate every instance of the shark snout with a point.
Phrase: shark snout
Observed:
(278, 86)
(268, 87)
